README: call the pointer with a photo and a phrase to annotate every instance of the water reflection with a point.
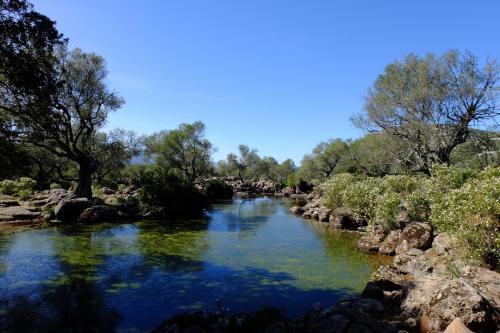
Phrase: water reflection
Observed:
(130, 277)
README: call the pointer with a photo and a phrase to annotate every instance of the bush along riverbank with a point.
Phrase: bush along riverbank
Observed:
(443, 231)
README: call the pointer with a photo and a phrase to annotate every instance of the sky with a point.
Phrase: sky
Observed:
(279, 76)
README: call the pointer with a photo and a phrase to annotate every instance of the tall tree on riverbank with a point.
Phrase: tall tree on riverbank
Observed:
(57, 99)
(431, 102)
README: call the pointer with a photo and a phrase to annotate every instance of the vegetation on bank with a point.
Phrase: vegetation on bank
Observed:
(460, 201)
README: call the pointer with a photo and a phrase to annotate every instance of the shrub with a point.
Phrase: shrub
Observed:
(54, 186)
(216, 189)
(388, 207)
(24, 194)
(417, 205)
(472, 213)
(400, 183)
(168, 196)
(24, 184)
(361, 197)
(335, 187)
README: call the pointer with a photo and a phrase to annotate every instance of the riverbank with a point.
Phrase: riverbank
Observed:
(427, 288)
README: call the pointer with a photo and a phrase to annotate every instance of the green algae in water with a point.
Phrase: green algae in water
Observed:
(133, 276)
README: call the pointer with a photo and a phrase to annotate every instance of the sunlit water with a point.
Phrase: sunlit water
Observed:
(131, 277)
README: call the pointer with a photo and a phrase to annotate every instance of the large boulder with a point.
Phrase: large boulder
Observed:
(457, 326)
(100, 213)
(70, 209)
(416, 235)
(444, 300)
(442, 243)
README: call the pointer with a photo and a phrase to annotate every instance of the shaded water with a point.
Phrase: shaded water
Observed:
(131, 277)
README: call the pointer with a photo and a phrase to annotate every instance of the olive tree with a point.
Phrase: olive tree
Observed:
(432, 102)
(184, 150)
(57, 99)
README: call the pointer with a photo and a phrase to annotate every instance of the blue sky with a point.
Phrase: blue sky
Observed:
(279, 76)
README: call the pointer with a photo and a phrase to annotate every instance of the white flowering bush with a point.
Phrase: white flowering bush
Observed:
(335, 187)
(387, 209)
(472, 214)
(401, 183)
(361, 197)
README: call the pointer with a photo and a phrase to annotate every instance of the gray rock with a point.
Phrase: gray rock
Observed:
(371, 241)
(17, 213)
(416, 235)
(388, 245)
(287, 191)
(324, 214)
(106, 190)
(297, 210)
(70, 209)
(442, 243)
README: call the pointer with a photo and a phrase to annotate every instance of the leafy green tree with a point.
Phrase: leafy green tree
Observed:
(68, 121)
(185, 151)
(324, 160)
(431, 102)
(379, 154)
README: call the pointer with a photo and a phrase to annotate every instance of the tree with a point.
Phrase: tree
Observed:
(432, 102)
(379, 154)
(67, 126)
(323, 161)
(184, 150)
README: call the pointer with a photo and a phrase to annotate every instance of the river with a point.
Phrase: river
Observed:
(130, 277)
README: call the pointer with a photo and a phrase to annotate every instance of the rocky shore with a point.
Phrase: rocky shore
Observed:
(428, 287)
(62, 205)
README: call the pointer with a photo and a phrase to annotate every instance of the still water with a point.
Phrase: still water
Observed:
(131, 277)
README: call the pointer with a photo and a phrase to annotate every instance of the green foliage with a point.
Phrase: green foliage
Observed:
(401, 183)
(24, 184)
(216, 189)
(54, 186)
(387, 209)
(335, 188)
(184, 151)
(361, 197)
(472, 213)
(418, 206)
(168, 196)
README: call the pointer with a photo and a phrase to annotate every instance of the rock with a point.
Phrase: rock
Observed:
(288, 191)
(485, 281)
(444, 300)
(70, 209)
(442, 243)
(243, 195)
(388, 245)
(106, 190)
(370, 242)
(301, 196)
(457, 326)
(99, 213)
(8, 202)
(324, 214)
(297, 210)
(413, 262)
(315, 214)
(307, 214)
(342, 218)
(334, 324)
(18, 213)
(402, 219)
(416, 235)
